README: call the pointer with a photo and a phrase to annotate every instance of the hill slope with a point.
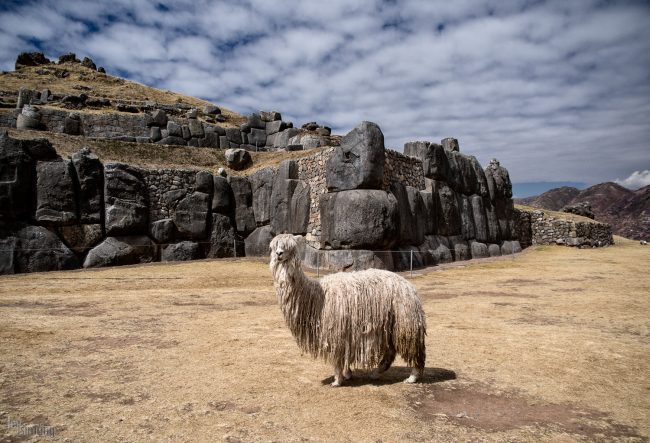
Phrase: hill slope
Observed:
(628, 212)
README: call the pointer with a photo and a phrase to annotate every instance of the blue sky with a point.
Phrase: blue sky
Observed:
(557, 91)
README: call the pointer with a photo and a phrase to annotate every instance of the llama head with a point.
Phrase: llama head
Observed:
(284, 247)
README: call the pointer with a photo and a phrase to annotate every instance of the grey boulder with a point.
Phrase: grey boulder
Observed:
(125, 199)
(56, 203)
(191, 216)
(359, 219)
(257, 243)
(40, 250)
(90, 176)
(358, 163)
(183, 251)
(237, 158)
(119, 251)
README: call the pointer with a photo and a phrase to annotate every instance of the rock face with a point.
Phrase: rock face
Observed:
(163, 231)
(498, 181)
(222, 198)
(374, 224)
(222, 239)
(31, 59)
(257, 243)
(359, 162)
(191, 216)
(262, 188)
(16, 179)
(56, 204)
(582, 208)
(243, 198)
(40, 250)
(81, 238)
(125, 195)
(183, 251)
(119, 251)
(90, 176)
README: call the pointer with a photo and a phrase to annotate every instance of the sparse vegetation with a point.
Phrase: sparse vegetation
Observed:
(549, 345)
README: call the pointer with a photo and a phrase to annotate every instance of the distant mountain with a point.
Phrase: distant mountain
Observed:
(627, 211)
(554, 199)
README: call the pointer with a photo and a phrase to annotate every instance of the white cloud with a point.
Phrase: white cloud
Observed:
(557, 91)
(636, 180)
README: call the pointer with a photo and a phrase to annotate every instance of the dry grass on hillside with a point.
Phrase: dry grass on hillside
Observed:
(93, 83)
(552, 345)
(151, 156)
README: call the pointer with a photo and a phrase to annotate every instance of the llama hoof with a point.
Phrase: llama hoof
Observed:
(335, 384)
(411, 379)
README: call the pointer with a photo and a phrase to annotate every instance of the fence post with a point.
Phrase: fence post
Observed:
(411, 263)
(234, 244)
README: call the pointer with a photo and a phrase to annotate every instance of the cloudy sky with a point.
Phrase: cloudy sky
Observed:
(558, 91)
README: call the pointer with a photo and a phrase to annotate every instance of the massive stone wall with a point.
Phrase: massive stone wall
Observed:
(539, 228)
(150, 122)
(356, 205)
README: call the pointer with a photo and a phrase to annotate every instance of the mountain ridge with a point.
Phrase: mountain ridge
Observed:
(627, 211)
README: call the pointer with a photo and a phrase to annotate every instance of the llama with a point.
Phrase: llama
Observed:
(360, 319)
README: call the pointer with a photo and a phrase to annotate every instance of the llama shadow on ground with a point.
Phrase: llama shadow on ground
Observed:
(396, 374)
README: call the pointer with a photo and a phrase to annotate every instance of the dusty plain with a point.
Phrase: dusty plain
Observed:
(550, 345)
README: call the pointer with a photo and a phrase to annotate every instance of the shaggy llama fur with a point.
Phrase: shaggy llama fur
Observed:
(358, 319)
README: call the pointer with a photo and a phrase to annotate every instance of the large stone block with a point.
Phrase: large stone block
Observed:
(493, 231)
(359, 219)
(359, 162)
(467, 176)
(163, 231)
(409, 257)
(281, 196)
(498, 181)
(223, 239)
(191, 216)
(282, 139)
(211, 140)
(125, 199)
(505, 214)
(243, 197)
(119, 251)
(8, 247)
(233, 135)
(196, 128)
(257, 137)
(222, 198)
(257, 243)
(482, 188)
(90, 175)
(478, 249)
(262, 188)
(299, 208)
(467, 228)
(40, 250)
(56, 203)
(237, 158)
(183, 251)
(411, 213)
(347, 259)
(80, 238)
(494, 250)
(16, 179)
(429, 213)
(447, 211)
(434, 160)
(459, 248)
(438, 249)
(480, 219)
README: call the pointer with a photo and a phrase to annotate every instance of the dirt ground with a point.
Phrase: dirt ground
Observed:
(551, 345)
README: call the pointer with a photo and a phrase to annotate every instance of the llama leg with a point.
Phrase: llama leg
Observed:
(385, 363)
(347, 373)
(416, 373)
(338, 377)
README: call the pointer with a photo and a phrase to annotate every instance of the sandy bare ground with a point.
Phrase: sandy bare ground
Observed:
(551, 346)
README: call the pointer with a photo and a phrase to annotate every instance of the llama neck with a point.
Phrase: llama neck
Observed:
(301, 301)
